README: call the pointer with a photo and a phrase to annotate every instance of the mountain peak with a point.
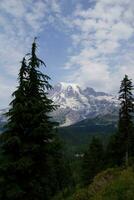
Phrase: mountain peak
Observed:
(76, 104)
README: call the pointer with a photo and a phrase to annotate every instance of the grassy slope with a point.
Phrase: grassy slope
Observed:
(111, 184)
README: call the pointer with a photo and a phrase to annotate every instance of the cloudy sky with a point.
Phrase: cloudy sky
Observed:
(89, 42)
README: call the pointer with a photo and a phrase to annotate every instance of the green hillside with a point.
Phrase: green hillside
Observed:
(111, 184)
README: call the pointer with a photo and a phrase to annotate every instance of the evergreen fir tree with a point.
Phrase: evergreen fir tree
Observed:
(125, 124)
(93, 160)
(12, 162)
(27, 155)
(120, 146)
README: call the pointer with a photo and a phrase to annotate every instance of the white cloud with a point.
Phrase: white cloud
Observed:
(20, 22)
(55, 6)
(102, 40)
(13, 7)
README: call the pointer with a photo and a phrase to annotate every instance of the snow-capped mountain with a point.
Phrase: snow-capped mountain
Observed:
(76, 104)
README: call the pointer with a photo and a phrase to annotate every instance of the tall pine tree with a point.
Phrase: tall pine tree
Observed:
(120, 147)
(27, 158)
(13, 163)
(125, 125)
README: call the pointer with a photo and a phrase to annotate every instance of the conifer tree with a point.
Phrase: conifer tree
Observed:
(27, 158)
(12, 162)
(125, 124)
(93, 160)
(120, 146)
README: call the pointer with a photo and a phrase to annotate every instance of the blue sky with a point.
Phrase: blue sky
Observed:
(89, 42)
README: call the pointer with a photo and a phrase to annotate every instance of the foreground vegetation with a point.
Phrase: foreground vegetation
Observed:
(112, 184)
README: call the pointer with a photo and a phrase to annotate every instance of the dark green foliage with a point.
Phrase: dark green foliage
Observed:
(93, 160)
(125, 115)
(126, 105)
(114, 155)
(31, 165)
(111, 184)
(120, 147)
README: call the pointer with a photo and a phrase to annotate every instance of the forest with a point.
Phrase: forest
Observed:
(37, 164)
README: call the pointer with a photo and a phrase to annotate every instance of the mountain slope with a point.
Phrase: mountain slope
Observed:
(76, 104)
